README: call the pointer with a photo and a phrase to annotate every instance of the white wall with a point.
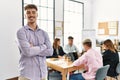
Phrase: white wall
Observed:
(10, 21)
(87, 14)
(105, 10)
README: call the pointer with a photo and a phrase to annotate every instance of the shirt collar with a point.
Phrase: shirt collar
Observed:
(89, 49)
(29, 28)
(70, 45)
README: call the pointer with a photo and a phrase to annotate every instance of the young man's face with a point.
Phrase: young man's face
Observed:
(31, 15)
(70, 41)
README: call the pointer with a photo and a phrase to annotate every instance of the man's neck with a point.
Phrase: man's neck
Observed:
(70, 45)
(88, 49)
(33, 26)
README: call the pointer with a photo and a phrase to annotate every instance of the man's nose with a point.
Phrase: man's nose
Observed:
(31, 14)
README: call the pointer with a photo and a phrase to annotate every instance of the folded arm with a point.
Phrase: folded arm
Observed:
(26, 47)
(49, 50)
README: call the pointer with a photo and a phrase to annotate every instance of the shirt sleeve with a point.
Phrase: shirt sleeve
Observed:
(25, 46)
(80, 61)
(49, 50)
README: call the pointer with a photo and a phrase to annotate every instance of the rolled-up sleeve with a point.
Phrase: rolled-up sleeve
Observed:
(25, 47)
(80, 61)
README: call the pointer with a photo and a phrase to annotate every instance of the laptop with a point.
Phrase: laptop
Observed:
(73, 56)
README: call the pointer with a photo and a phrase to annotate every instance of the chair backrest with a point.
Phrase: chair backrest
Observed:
(118, 68)
(102, 73)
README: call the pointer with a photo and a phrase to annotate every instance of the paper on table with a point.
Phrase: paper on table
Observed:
(61, 63)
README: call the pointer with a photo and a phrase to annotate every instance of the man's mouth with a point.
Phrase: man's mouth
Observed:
(31, 17)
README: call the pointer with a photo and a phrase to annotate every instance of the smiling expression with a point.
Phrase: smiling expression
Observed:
(31, 15)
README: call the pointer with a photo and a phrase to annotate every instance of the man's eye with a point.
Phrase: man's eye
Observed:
(28, 12)
(33, 12)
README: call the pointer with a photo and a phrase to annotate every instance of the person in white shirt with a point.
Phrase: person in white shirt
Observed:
(70, 47)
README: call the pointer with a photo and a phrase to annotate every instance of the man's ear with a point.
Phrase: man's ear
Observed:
(37, 14)
(25, 14)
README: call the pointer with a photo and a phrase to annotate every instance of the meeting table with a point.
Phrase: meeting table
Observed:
(63, 65)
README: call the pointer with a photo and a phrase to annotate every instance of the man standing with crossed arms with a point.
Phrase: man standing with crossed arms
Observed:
(34, 46)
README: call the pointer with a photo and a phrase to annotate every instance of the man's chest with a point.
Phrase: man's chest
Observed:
(71, 47)
(35, 37)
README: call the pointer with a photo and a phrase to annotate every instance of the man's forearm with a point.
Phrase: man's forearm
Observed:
(47, 52)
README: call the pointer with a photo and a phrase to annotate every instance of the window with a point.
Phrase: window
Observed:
(73, 20)
(45, 15)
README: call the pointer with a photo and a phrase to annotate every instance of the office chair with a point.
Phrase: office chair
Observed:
(102, 73)
(118, 69)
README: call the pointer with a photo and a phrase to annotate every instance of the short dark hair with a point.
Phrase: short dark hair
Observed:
(70, 37)
(89, 44)
(31, 6)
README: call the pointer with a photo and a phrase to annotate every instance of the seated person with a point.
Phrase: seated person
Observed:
(57, 49)
(111, 57)
(91, 59)
(70, 47)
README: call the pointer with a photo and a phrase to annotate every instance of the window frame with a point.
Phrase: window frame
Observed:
(64, 15)
(41, 19)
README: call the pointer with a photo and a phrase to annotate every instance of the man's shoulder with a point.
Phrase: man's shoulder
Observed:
(43, 31)
(45, 34)
(92, 52)
(21, 29)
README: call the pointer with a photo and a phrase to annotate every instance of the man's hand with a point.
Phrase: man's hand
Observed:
(60, 57)
(43, 45)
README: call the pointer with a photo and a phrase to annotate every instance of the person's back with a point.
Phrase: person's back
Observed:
(93, 62)
(91, 59)
(112, 59)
